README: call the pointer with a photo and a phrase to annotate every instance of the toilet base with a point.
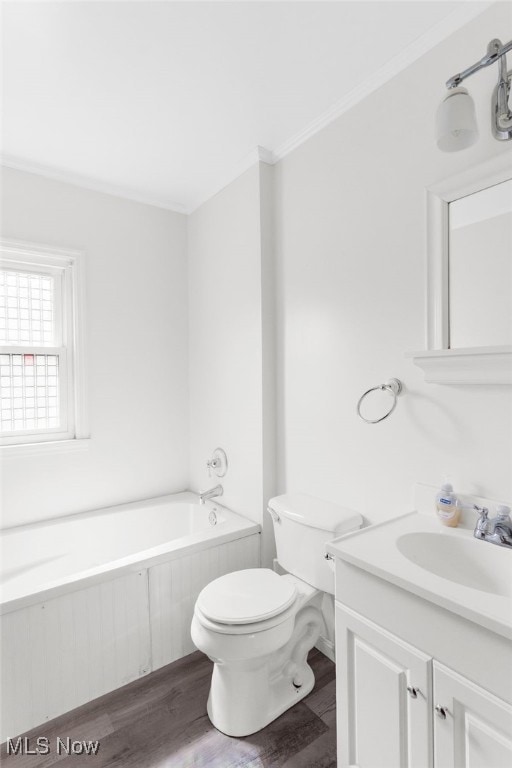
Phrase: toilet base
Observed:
(247, 695)
(283, 694)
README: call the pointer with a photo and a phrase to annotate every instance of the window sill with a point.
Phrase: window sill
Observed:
(44, 449)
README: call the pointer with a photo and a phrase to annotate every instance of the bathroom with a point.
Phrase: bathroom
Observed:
(238, 197)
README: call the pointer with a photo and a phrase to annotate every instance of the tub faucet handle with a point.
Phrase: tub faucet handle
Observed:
(213, 463)
(217, 463)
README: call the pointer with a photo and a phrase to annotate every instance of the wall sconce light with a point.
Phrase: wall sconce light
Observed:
(456, 126)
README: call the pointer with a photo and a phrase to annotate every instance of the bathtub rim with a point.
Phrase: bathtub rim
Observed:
(137, 562)
(186, 496)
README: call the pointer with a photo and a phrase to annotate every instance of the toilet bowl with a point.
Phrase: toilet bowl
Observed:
(258, 627)
(260, 657)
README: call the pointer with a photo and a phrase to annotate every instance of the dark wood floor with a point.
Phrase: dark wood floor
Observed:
(160, 721)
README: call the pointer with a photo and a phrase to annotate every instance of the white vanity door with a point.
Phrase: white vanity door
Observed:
(474, 730)
(380, 723)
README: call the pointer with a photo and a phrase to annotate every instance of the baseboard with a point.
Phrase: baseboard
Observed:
(326, 647)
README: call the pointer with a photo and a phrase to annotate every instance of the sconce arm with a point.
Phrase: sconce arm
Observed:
(495, 51)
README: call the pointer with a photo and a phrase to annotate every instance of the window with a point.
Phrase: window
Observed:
(41, 359)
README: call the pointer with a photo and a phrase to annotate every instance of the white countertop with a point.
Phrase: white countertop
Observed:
(446, 566)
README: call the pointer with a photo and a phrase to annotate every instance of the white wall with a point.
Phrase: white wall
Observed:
(228, 249)
(350, 219)
(345, 305)
(137, 361)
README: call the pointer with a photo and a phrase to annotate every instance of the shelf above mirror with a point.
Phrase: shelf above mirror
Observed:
(474, 365)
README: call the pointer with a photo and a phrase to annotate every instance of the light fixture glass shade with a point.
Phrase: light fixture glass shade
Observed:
(456, 126)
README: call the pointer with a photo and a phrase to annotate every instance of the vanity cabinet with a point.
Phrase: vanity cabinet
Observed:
(474, 727)
(387, 692)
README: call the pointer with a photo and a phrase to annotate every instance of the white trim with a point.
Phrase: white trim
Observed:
(72, 265)
(25, 450)
(474, 365)
(486, 174)
(78, 329)
(462, 15)
(437, 326)
(35, 436)
(492, 202)
(327, 648)
(38, 255)
(88, 182)
(25, 349)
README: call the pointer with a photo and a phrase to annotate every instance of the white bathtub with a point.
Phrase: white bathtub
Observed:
(92, 601)
(45, 559)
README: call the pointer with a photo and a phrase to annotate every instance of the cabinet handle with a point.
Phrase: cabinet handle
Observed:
(441, 711)
(413, 692)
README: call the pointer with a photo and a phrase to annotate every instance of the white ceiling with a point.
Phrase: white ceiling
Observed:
(165, 101)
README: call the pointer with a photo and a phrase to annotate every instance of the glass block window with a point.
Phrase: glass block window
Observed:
(27, 308)
(38, 358)
(42, 376)
(29, 392)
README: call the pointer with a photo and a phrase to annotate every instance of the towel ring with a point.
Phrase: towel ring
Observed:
(394, 387)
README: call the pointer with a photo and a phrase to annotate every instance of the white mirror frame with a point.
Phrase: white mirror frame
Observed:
(468, 365)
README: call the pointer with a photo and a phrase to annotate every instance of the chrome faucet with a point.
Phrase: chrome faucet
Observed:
(497, 530)
(217, 491)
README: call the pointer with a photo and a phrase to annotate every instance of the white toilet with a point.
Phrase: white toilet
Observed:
(258, 627)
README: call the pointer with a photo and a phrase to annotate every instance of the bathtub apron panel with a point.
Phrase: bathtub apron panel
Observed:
(175, 585)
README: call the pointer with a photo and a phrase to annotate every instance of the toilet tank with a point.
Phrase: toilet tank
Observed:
(303, 525)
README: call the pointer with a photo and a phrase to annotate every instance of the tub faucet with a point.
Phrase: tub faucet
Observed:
(497, 530)
(217, 491)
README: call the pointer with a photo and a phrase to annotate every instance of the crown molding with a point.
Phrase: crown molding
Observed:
(256, 155)
(87, 182)
(462, 15)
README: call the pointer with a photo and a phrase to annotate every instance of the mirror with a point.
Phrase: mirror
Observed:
(469, 277)
(480, 268)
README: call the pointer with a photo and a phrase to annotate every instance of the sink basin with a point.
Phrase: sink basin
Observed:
(446, 566)
(471, 563)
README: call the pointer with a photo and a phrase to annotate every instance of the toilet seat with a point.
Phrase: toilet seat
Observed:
(246, 601)
(234, 630)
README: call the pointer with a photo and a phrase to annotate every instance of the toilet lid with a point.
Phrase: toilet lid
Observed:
(246, 596)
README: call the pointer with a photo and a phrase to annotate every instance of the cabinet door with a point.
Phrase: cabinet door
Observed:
(383, 697)
(474, 728)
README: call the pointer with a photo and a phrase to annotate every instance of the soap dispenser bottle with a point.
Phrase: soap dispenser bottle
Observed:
(448, 507)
